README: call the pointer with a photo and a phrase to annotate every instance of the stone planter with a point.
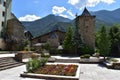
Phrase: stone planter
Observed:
(53, 77)
(22, 55)
(89, 60)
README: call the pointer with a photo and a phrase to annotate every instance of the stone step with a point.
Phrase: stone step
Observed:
(5, 58)
(7, 64)
(9, 60)
(10, 66)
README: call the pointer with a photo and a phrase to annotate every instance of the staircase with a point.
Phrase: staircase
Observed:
(8, 62)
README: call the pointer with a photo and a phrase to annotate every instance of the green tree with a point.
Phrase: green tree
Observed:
(67, 43)
(104, 42)
(77, 41)
(114, 33)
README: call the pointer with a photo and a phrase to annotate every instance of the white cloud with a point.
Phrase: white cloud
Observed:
(108, 1)
(29, 18)
(65, 16)
(58, 10)
(89, 3)
(62, 11)
(70, 13)
(73, 2)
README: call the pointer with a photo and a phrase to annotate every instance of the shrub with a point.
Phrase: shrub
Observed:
(35, 63)
(86, 49)
(32, 65)
(43, 61)
(32, 49)
(46, 46)
(85, 56)
(112, 60)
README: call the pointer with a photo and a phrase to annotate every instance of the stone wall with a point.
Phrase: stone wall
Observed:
(2, 44)
(44, 38)
(15, 34)
(86, 26)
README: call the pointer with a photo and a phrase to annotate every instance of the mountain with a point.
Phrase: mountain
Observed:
(47, 24)
(52, 22)
(107, 17)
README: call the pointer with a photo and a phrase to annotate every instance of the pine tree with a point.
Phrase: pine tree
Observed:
(104, 42)
(67, 43)
(115, 38)
(77, 41)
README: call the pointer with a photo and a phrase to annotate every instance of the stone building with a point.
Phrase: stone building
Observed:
(5, 15)
(14, 37)
(86, 26)
(11, 29)
(44, 38)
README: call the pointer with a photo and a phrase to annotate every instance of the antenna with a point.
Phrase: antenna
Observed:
(85, 3)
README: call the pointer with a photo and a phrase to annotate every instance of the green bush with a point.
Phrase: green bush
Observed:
(43, 61)
(46, 46)
(86, 49)
(35, 63)
(32, 65)
(32, 49)
(85, 56)
(112, 60)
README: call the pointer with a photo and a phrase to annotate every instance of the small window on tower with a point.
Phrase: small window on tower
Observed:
(3, 13)
(2, 24)
(4, 4)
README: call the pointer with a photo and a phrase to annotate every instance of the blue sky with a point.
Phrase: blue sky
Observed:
(30, 10)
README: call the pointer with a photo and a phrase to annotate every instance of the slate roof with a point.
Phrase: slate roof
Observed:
(86, 12)
(53, 35)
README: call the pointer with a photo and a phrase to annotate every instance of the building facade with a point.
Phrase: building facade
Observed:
(86, 26)
(44, 38)
(11, 29)
(5, 14)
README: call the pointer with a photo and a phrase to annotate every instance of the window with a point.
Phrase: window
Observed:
(2, 24)
(4, 4)
(1, 1)
(3, 13)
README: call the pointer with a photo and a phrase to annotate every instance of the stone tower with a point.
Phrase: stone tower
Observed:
(86, 25)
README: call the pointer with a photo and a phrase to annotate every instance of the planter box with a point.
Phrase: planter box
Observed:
(89, 60)
(53, 77)
(116, 65)
(113, 65)
(22, 55)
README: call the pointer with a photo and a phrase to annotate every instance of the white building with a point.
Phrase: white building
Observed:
(5, 15)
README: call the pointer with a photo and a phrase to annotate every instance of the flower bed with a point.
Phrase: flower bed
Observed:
(55, 71)
(59, 69)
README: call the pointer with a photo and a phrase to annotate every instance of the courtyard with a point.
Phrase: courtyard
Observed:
(87, 72)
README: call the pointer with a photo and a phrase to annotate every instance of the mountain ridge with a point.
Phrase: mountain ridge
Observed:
(50, 22)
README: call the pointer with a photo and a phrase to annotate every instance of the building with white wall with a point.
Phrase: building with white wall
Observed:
(5, 15)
